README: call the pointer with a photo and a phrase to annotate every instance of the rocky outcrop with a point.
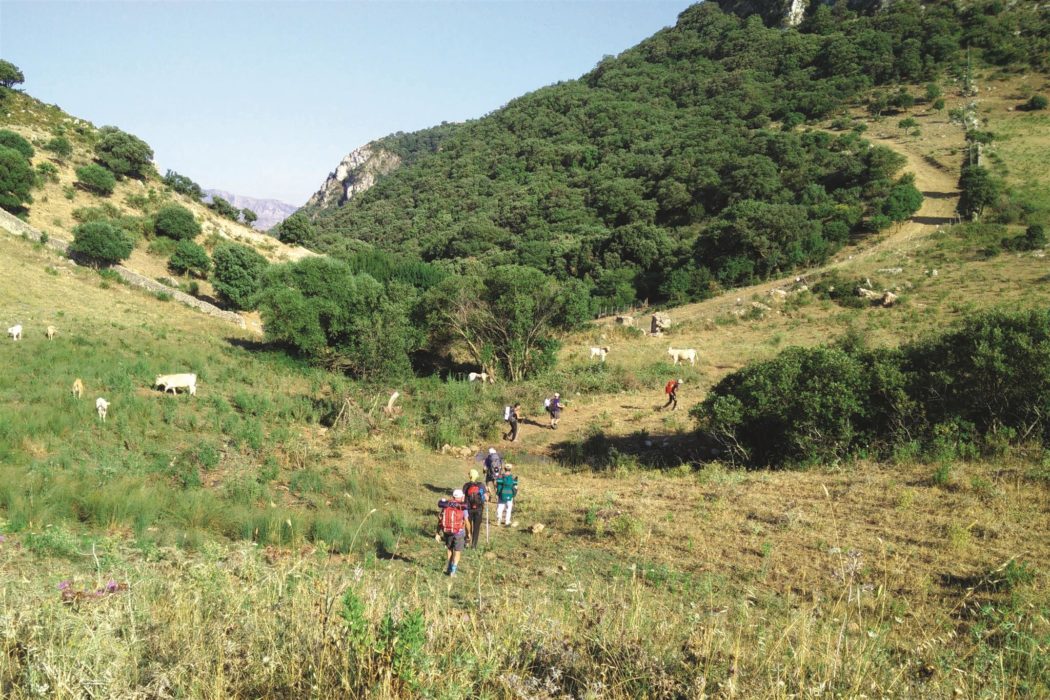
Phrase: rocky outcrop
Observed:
(357, 172)
(790, 13)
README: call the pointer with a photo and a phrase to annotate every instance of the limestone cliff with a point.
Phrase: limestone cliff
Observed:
(357, 172)
(789, 13)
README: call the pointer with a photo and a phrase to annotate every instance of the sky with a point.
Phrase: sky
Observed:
(263, 99)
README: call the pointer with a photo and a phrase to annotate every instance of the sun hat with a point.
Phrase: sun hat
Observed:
(507, 467)
(492, 450)
(473, 474)
(458, 494)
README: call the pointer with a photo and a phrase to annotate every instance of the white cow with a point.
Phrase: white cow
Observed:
(15, 332)
(682, 354)
(101, 405)
(600, 353)
(177, 381)
(478, 376)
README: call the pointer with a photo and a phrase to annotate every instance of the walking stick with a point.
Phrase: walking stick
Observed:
(486, 523)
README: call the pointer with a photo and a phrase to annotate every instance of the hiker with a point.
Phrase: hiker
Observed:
(554, 409)
(474, 493)
(512, 414)
(493, 470)
(453, 528)
(506, 490)
(672, 394)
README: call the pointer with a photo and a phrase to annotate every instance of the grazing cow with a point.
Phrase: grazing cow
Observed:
(78, 388)
(51, 332)
(600, 353)
(177, 381)
(101, 405)
(15, 332)
(476, 376)
(682, 354)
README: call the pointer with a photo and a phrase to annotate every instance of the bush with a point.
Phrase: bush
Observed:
(16, 180)
(189, 257)
(60, 146)
(1035, 103)
(12, 140)
(238, 272)
(1034, 238)
(177, 222)
(183, 185)
(122, 153)
(10, 75)
(224, 209)
(47, 171)
(101, 242)
(94, 178)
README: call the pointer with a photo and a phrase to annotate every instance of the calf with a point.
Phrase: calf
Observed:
(51, 332)
(15, 332)
(476, 376)
(682, 354)
(78, 388)
(177, 381)
(600, 353)
(101, 405)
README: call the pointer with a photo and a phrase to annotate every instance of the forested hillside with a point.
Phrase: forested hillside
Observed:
(684, 165)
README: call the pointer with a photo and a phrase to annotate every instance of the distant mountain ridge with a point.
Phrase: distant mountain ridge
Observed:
(270, 211)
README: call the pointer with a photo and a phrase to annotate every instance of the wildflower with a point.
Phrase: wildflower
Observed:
(64, 585)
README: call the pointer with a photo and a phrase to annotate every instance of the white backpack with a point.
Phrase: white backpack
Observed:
(506, 413)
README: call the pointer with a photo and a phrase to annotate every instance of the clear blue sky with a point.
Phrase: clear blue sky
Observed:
(264, 98)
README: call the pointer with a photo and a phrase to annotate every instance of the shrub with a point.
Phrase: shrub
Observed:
(224, 209)
(122, 153)
(47, 171)
(1035, 103)
(183, 185)
(101, 242)
(10, 75)
(16, 180)
(189, 257)
(94, 178)
(60, 146)
(238, 272)
(12, 140)
(177, 222)
(1034, 238)
(296, 230)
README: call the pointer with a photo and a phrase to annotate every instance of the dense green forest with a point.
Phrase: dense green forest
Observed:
(683, 164)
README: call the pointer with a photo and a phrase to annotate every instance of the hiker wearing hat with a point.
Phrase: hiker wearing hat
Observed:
(554, 408)
(506, 490)
(672, 394)
(493, 470)
(474, 494)
(453, 528)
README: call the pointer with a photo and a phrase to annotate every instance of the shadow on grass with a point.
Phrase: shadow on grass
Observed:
(601, 452)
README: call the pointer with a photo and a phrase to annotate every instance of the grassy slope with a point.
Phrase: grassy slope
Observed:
(876, 579)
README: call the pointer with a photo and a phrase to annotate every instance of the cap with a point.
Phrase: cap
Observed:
(492, 450)
(473, 474)
(557, 395)
(507, 467)
(457, 494)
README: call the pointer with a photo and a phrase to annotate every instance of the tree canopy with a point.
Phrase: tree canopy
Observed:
(123, 154)
(16, 180)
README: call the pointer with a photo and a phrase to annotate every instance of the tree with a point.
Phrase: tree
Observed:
(183, 185)
(238, 272)
(101, 242)
(10, 75)
(323, 311)
(296, 230)
(95, 178)
(248, 216)
(504, 317)
(189, 257)
(904, 200)
(978, 189)
(175, 221)
(909, 124)
(16, 180)
(122, 153)
(224, 209)
(12, 140)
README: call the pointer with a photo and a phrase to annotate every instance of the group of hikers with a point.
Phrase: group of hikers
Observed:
(460, 517)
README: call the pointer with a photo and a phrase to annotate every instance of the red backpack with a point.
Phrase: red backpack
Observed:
(473, 492)
(452, 518)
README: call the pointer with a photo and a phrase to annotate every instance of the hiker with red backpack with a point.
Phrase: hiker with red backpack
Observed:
(474, 494)
(453, 528)
(672, 394)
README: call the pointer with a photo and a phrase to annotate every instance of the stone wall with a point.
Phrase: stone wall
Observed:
(17, 227)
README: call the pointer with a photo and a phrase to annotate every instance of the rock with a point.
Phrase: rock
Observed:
(778, 294)
(891, 270)
(357, 172)
(625, 321)
(659, 323)
(490, 555)
(538, 528)
(760, 306)
(866, 293)
(514, 524)
(889, 299)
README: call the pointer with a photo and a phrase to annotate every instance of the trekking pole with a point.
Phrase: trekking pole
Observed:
(486, 523)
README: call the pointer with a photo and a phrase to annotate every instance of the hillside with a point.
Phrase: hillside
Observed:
(59, 205)
(270, 211)
(686, 164)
